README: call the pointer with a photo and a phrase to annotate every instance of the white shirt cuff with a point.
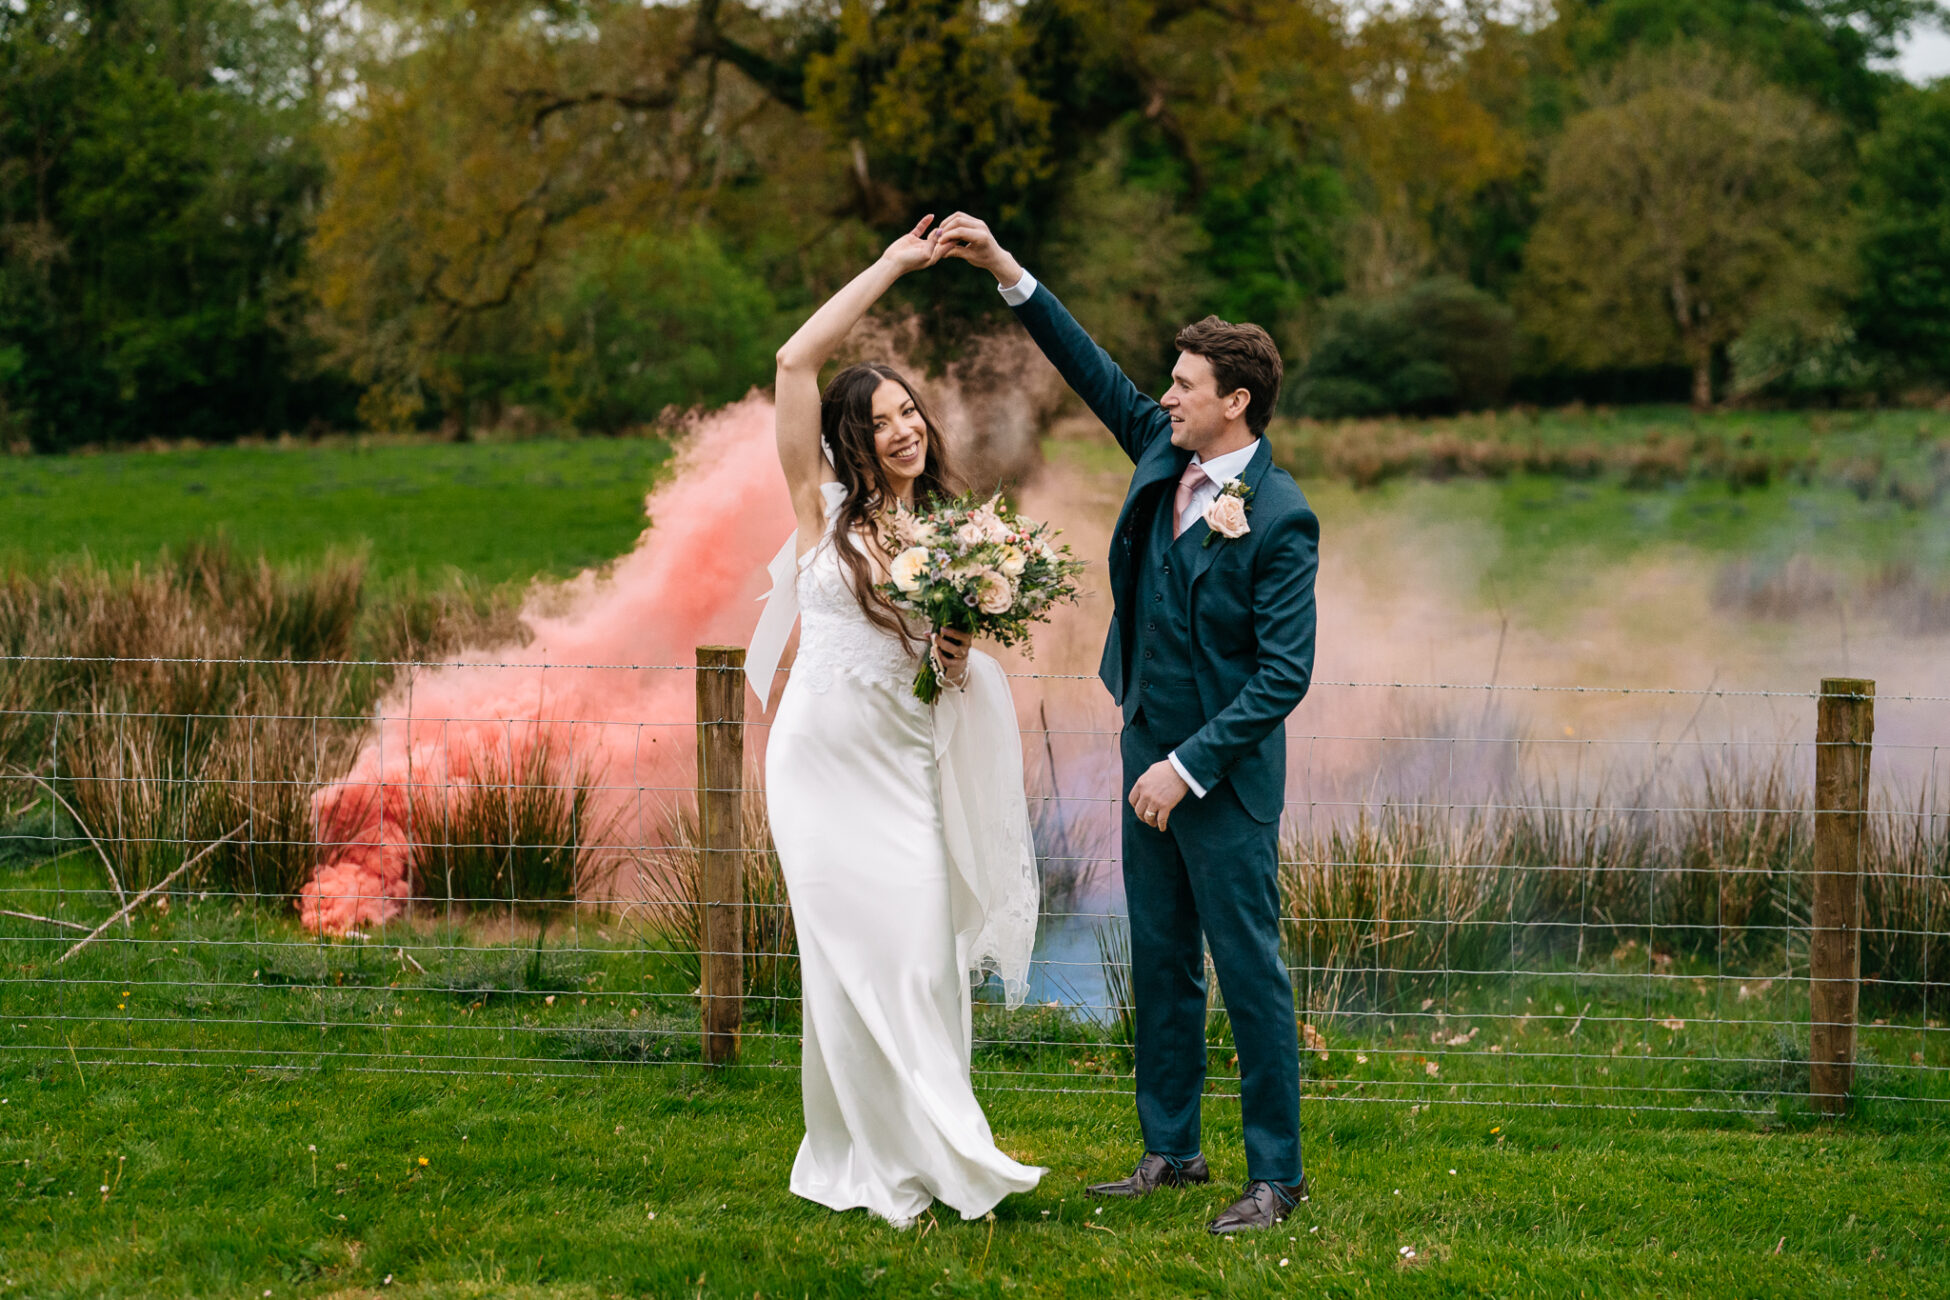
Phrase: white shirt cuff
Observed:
(1179, 767)
(1018, 293)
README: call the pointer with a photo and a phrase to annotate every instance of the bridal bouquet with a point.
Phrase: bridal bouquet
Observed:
(976, 566)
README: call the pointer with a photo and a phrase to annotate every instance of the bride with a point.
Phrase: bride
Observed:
(901, 828)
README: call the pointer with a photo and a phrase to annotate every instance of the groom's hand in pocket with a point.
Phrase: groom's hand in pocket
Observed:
(1157, 792)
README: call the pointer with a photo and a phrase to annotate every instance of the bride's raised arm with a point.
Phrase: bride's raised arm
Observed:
(810, 348)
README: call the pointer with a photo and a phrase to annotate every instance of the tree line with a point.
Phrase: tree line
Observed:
(232, 217)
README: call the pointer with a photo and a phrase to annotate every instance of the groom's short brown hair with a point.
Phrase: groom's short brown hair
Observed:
(1242, 356)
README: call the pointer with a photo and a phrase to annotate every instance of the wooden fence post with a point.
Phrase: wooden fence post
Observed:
(1844, 729)
(721, 845)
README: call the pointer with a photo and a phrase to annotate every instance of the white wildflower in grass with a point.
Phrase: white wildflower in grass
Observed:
(975, 566)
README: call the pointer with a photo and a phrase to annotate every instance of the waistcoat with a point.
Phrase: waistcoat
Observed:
(1160, 681)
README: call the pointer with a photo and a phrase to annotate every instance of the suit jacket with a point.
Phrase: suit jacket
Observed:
(1252, 597)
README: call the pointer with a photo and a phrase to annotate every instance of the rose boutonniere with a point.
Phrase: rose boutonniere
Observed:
(1226, 516)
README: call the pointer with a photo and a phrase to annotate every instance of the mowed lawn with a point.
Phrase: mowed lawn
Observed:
(496, 511)
(667, 1181)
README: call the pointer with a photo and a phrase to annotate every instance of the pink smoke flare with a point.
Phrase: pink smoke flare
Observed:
(693, 578)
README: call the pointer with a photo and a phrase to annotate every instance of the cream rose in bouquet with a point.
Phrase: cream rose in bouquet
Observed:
(977, 566)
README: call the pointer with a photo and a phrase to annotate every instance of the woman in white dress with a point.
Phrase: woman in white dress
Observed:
(901, 828)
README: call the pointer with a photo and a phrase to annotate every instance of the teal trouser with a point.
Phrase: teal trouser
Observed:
(1213, 876)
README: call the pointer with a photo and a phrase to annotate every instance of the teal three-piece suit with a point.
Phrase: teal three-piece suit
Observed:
(1210, 647)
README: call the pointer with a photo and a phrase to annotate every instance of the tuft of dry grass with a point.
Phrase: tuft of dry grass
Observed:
(1401, 893)
(1906, 906)
(1367, 453)
(1721, 864)
(192, 635)
(1114, 957)
(666, 910)
(170, 702)
(516, 833)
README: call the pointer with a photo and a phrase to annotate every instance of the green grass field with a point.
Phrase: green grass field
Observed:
(217, 1104)
(496, 511)
(662, 1181)
(1864, 490)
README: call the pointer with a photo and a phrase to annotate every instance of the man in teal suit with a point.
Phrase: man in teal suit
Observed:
(1211, 645)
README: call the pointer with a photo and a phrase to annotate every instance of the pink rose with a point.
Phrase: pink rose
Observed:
(1227, 517)
(994, 593)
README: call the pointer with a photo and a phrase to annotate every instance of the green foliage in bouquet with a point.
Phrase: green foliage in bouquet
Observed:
(977, 566)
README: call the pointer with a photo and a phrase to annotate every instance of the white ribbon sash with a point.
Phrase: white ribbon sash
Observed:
(775, 624)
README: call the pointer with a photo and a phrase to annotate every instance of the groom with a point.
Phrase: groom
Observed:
(1211, 646)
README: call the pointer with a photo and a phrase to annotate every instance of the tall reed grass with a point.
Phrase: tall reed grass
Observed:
(665, 908)
(170, 704)
(1721, 865)
(516, 834)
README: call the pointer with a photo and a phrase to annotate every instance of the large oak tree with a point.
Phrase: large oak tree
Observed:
(1690, 199)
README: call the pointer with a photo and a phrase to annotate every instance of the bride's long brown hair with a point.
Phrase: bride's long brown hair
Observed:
(846, 423)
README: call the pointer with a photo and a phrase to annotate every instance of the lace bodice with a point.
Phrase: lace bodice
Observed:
(835, 636)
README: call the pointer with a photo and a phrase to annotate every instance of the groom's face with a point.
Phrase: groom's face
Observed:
(1198, 412)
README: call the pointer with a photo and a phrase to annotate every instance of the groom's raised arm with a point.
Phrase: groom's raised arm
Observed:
(1133, 418)
(1136, 421)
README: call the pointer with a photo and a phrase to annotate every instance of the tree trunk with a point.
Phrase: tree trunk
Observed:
(1703, 381)
(1685, 315)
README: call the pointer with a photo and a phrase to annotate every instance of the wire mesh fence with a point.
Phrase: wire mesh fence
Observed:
(1506, 894)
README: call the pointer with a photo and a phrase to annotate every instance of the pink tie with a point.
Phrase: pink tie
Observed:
(1187, 484)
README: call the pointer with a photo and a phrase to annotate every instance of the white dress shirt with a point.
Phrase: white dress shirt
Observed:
(1218, 470)
(1018, 293)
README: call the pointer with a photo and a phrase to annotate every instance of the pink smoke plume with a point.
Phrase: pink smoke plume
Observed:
(694, 580)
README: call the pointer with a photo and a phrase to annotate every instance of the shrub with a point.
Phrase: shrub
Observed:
(652, 321)
(1437, 347)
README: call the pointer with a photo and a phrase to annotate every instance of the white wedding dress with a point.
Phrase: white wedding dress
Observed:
(902, 833)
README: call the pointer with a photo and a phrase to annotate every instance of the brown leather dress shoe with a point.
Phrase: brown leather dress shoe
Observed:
(1263, 1205)
(1153, 1172)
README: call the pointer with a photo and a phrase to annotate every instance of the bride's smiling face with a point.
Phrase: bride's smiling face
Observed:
(900, 435)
